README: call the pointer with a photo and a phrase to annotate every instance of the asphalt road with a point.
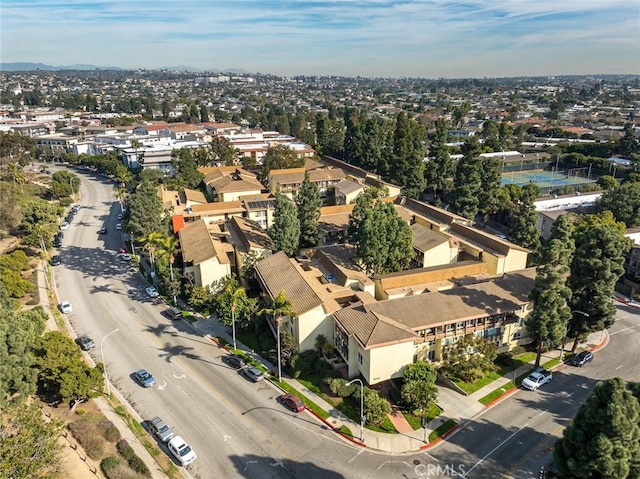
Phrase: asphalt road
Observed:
(238, 429)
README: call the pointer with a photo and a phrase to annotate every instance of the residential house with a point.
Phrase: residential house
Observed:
(248, 237)
(229, 183)
(346, 191)
(289, 180)
(207, 255)
(260, 208)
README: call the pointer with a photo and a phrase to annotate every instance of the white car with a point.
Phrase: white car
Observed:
(119, 226)
(65, 307)
(64, 226)
(152, 292)
(126, 257)
(181, 451)
(536, 379)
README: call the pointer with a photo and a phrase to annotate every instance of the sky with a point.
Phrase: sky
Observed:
(373, 38)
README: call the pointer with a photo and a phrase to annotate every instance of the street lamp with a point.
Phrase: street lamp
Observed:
(361, 406)
(104, 365)
(278, 323)
(233, 324)
(564, 338)
(175, 302)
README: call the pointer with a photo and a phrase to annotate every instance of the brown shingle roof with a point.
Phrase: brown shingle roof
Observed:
(279, 273)
(372, 329)
(249, 233)
(194, 195)
(196, 243)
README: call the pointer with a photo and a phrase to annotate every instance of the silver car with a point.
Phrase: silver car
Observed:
(160, 429)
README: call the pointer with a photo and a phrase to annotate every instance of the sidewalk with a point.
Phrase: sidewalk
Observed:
(102, 403)
(455, 406)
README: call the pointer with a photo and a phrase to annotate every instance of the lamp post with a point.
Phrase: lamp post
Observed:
(175, 302)
(361, 406)
(564, 339)
(278, 323)
(104, 365)
(233, 323)
(73, 193)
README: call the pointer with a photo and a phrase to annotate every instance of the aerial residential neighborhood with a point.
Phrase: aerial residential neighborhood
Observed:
(387, 240)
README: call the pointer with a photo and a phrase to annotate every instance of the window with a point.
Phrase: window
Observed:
(432, 342)
(360, 358)
(480, 321)
(431, 355)
(460, 324)
(517, 335)
(450, 327)
(439, 329)
(471, 323)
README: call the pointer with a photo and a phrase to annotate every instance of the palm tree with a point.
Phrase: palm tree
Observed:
(236, 292)
(150, 244)
(169, 246)
(16, 174)
(280, 306)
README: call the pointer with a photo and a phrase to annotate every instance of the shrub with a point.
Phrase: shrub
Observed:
(86, 433)
(110, 432)
(339, 387)
(132, 458)
(303, 363)
(109, 463)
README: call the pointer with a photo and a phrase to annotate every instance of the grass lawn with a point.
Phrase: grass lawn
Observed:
(519, 360)
(416, 422)
(496, 394)
(440, 431)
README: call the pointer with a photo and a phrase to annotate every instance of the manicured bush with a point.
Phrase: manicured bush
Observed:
(110, 432)
(86, 432)
(109, 463)
(132, 458)
(339, 387)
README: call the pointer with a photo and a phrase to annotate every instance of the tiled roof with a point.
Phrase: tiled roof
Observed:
(228, 184)
(249, 233)
(194, 195)
(219, 207)
(506, 294)
(278, 273)
(196, 243)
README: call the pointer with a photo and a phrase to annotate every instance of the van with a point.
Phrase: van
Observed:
(174, 313)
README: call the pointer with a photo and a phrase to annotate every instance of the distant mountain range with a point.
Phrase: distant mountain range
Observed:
(29, 66)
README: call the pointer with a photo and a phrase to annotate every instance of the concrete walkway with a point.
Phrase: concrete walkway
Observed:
(101, 402)
(456, 406)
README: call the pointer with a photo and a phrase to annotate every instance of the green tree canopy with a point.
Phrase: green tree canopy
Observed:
(595, 268)
(29, 445)
(419, 390)
(230, 296)
(408, 155)
(604, 438)
(279, 157)
(146, 212)
(469, 358)
(383, 240)
(223, 152)
(64, 183)
(439, 169)
(308, 206)
(624, 202)
(39, 223)
(467, 182)
(285, 232)
(185, 168)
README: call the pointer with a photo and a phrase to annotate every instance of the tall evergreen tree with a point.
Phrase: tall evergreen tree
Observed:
(279, 157)
(623, 202)
(186, 168)
(596, 267)
(308, 204)
(439, 169)
(408, 154)
(490, 180)
(383, 239)
(285, 231)
(523, 224)
(550, 314)
(375, 145)
(354, 141)
(467, 182)
(146, 211)
(603, 441)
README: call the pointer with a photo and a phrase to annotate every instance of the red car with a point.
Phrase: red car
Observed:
(292, 402)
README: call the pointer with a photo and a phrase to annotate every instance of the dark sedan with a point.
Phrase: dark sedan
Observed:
(582, 358)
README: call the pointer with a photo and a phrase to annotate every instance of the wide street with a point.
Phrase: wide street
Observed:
(238, 429)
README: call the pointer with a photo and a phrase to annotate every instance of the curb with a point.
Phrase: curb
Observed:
(602, 344)
(440, 439)
(501, 397)
(349, 438)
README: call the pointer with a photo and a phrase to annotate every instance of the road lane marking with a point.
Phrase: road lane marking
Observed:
(495, 449)
(356, 456)
(543, 412)
(621, 366)
(624, 329)
(507, 475)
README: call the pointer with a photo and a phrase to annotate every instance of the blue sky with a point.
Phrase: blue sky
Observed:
(396, 38)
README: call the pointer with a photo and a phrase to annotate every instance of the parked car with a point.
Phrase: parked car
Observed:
(144, 378)
(536, 379)
(173, 313)
(235, 361)
(181, 451)
(57, 242)
(103, 231)
(160, 429)
(292, 402)
(152, 292)
(581, 359)
(126, 257)
(119, 226)
(65, 307)
(120, 216)
(55, 260)
(64, 226)
(75, 207)
(85, 343)
(252, 374)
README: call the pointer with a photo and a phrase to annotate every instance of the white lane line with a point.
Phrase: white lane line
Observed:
(356, 456)
(621, 366)
(624, 329)
(543, 412)
(495, 449)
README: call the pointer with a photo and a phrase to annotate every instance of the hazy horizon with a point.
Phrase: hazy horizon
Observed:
(378, 38)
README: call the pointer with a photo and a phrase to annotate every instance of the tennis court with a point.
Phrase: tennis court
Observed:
(545, 179)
